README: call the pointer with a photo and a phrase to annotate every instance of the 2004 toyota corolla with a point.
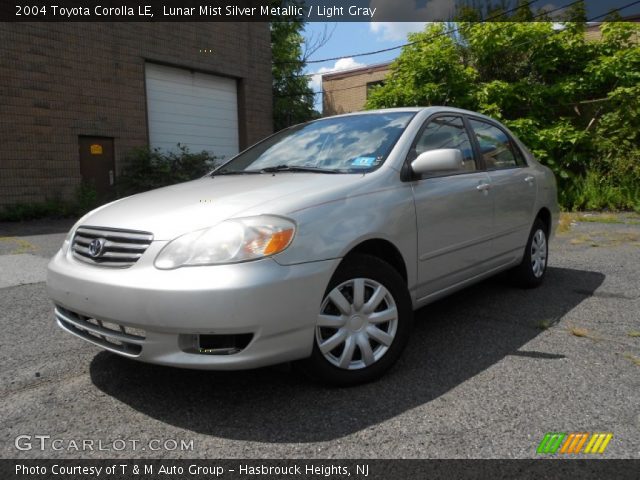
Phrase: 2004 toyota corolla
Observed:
(315, 244)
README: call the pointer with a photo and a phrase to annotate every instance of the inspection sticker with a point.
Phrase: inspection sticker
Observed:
(363, 161)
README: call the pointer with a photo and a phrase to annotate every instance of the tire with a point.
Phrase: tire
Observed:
(533, 268)
(358, 337)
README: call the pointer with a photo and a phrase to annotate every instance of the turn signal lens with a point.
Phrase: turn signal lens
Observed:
(279, 241)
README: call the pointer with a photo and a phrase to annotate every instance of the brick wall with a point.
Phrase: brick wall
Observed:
(346, 92)
(62, 80)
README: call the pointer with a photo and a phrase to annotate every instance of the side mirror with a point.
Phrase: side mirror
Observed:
(440, 160)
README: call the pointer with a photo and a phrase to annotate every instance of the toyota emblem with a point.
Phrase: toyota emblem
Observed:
(96, 246)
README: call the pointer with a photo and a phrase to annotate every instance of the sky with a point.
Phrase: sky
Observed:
(346, 39)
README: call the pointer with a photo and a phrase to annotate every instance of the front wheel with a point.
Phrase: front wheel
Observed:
(363, 323)
(530, 273)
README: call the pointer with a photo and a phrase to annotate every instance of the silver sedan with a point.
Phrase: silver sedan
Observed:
(315, 245)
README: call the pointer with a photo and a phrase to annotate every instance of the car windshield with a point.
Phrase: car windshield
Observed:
(347, 144)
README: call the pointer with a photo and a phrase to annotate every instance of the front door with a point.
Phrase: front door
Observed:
(97, 164)
(454, 212)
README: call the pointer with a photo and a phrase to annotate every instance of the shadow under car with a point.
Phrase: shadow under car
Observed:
(453, 340)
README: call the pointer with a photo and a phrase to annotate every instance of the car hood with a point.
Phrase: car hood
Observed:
(172, 211)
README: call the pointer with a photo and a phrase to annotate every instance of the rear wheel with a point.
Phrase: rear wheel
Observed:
(363, 324)
(531, 271)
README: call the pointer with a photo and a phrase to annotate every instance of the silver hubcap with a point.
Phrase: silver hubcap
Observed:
(357, 323)
(538, 253)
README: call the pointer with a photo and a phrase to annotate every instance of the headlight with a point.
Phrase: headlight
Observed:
(232, 241)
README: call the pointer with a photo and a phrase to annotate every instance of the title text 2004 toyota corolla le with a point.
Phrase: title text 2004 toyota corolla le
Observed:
(317, 243)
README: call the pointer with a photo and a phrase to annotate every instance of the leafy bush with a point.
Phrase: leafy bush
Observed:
(610, 184)
(84, 201)
(146, 169)
(574, 101)
(30, 211)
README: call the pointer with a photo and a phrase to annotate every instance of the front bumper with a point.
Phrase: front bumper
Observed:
(276, 304)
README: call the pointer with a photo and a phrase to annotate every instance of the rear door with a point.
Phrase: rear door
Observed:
(454, 211)
(513, 188)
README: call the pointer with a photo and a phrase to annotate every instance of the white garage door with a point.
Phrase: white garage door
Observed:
(194, 109)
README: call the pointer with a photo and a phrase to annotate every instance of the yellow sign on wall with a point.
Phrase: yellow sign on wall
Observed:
(96, 149)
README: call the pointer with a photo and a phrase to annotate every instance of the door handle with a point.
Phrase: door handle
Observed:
(483, 187)
(529, 179)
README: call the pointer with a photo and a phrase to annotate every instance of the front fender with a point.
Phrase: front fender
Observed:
(332, 229)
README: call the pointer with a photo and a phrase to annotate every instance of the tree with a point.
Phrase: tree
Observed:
(522, 11)
(429, 71)
(293, 99)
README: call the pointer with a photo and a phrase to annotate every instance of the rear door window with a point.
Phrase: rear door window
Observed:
(495, 146)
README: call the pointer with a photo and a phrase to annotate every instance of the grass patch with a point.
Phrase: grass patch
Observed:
(21, 245)
(581, 239)
(620, 238)
(627, 237)
(606, 239)
(599, 219)
(581, 332)
(544, 324)
(632, 358)
(611, 184)
(633, 334)
(565, 222)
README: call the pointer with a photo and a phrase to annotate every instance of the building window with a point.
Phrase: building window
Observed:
(373, 85)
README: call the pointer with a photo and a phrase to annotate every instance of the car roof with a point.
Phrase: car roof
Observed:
(380, 110)
(430, 109)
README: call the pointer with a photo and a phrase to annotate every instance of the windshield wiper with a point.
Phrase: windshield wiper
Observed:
(293, 168)
(233, 172)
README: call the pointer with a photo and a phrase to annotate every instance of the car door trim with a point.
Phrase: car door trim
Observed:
(468, 243)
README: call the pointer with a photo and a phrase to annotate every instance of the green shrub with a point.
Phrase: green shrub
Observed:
(612, 184)
(30, 211)
(85, 200)
(574, 101)
(146, 169)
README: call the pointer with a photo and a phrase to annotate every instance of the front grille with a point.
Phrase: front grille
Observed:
(112, 336)
(117, 248)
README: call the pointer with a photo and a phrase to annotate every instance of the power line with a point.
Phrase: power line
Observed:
(512, 46)
(389, 49)
(432, 37)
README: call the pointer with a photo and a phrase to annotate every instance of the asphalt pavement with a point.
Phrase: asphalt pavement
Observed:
(487, 373)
